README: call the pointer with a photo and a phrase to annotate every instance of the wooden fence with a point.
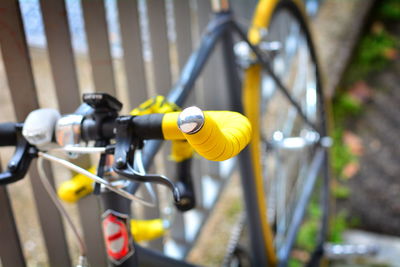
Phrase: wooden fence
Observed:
(31, 229)
(55, 76)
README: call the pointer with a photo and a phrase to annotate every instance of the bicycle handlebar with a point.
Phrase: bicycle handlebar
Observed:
(217, 135)
(221, 135)
(8, 134)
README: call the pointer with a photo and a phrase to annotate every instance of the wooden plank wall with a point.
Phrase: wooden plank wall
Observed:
(18, 70)
(167, 55)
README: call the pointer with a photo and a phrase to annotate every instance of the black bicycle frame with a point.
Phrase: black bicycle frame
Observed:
(220, 28)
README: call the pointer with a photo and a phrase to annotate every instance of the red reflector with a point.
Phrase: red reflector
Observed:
(116, 237)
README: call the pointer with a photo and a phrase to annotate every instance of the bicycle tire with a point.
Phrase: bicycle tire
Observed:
(271, 120)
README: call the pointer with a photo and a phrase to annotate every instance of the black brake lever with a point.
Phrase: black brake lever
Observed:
(131, 174)
(124, 151)
(19, 164)
(185, 185)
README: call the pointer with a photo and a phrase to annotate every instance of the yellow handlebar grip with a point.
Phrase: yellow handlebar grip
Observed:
(222, 136)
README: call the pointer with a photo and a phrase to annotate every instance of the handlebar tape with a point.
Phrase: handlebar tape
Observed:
(223, 135)
(8, 134)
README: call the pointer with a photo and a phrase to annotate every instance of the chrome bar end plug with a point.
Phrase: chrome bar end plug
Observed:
(191, 120)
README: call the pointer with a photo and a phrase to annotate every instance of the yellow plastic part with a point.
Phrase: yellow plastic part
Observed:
(146, 230)
(156, 104)
(170, 127)
(181, 150)
(76, 188)
(223, 135)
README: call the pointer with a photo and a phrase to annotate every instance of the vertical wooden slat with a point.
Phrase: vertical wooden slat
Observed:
(213, 77)
(183, 30)
(10, 251)
(184, 48)
(132, 45)
(99, 46)
(159, 45)
(197, 183)
(22, 88)
(16, 59)
(214, 88)
(68, 96)
(90, 217)
(50, 219)
(60, 54)
(243, 11)
(152, 213)
(178, 232)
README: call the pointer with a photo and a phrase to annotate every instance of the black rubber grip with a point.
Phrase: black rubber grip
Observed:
(148, 126)
(8, 134)
(145, 127)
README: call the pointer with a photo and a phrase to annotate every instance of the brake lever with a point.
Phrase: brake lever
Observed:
(138, 165)
(131, 174)
(19, 164)
(124, 151)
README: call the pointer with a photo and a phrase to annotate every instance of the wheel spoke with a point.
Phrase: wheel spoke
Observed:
(267, 67)
(290, 113)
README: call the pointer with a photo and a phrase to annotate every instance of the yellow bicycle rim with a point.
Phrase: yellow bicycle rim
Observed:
(251, 93)
(251, 96)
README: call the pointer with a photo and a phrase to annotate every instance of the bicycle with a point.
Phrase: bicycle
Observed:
(262, 55)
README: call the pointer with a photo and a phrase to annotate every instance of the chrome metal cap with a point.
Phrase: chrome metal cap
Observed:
(191, 120)
(68, 130)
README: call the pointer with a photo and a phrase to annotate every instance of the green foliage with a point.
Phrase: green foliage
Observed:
(341, 192)
(354, 221)
(308, 232)
(375, 51)
(344, 105)
(371, 54)
(295, 263)
(390, 9)
(338, 226)
(314, 210)
(340, 153)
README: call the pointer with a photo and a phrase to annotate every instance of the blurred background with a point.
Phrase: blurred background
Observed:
(365, 157)
(358, 44)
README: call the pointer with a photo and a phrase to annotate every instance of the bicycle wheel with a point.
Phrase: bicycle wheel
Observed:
(285, 144)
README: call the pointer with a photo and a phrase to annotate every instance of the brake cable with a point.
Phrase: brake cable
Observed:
(98, 179)
(53, 196)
